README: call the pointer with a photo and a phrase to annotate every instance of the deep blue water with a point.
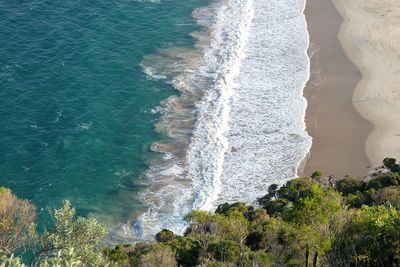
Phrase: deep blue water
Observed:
(75, 106)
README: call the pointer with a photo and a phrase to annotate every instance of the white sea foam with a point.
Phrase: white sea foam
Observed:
(148, 1)
(267, 136)
(238, 124)
(178, 186)
(151, 73)
(84, 126)
(222, 61)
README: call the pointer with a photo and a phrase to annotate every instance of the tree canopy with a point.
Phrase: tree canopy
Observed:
(305, 222)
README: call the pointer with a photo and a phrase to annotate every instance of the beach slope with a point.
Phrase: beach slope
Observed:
(370, 36)
(338, 130)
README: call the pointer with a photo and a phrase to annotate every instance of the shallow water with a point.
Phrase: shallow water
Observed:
(77, 111)
(140, 111)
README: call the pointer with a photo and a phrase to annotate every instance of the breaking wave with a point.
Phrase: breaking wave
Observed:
(237, 124)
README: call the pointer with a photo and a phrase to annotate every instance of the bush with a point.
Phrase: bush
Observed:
(165, 236)
(260, 259)
(257, 240)
(276, 206)
(225, 251)
(225, 208)
(119, 254)
(187, 251)
(272, 192)
(389, 196)
(158, 256)
(16, 223)
(348, 186)
(371, 238)
(258, 216)
(311, 223)
(296, 188)
(390, 163)
(83, 235)
(316, 175)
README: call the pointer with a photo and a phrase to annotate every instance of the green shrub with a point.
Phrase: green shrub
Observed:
(389, 162)
(348, 186)
(316, 175)
(17, 228)
(225, 251)
(370, 238)
(82, 235)
(389, 196)
(187, 251)
(257, 240)
(119, 254)
(165, 236)
(276, 206)
(296, 188)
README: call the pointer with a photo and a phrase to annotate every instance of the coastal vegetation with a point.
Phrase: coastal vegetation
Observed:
(309, 221)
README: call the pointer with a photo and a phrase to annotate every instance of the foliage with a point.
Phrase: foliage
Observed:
(389, 196)
(164, 236)
(350, 222)
(187, 251)
(371, 192)
(371, 238)
(81, 235)
(349, 185)
(11, 261)
(225, 251)
(158, 256)
(16, 223)
(120, 254)
(390, 163)
(296, 188)
(317, 175)
(63, 258)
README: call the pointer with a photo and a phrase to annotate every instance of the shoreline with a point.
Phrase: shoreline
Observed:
(339, 132)
(371, 38)
(187, 173)
(267, 134)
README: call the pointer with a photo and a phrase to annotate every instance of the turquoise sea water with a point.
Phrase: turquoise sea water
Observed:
(76, 118)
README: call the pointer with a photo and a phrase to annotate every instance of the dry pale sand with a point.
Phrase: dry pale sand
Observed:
(370, 36)
(339, 132)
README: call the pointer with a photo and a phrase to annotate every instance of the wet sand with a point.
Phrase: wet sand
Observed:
(339, 132)
(370, 36)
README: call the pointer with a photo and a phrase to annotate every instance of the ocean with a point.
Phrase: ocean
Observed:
(140, 111)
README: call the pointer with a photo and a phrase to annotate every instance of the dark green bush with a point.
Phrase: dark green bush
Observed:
(296, 188)
(164, 236)
(257, 240)
(349, 185)
(276, 206)
(225, 251)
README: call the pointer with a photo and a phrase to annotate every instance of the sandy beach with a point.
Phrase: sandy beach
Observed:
(339, 132)
(371, 39)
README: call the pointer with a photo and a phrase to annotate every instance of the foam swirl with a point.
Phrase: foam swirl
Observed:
(238, 124)
(190, 176)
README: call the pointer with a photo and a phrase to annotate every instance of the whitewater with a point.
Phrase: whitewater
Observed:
(267, 136)
(237, 125)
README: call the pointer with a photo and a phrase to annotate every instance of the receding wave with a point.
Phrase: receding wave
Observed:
(267, 134)
(187, 173)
